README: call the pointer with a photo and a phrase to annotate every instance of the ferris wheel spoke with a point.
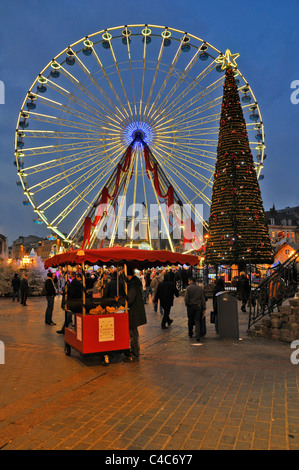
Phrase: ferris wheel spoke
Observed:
(179, 162)
(154, 79)
(89, 118)
(163, 106)
(134, 197)
(101, 90)
(109, 82)
(63, 175)
(174, 110)
(185, 157)
(183, 196)
(76, 230)
(121, 82)
(142, 81)
(131, 69)
(75, 99)
(165, 224)
(190, 153)
(123, 198)
(57, 121)
(181, 177)
(153, 109)
(76, 184)
(67, 160)
(81, 196)
(39, 134)
(145, 201)
(189, 135)
(191, 86)
(173, 123)
(46, 149)
(192, 117)
(104, 109)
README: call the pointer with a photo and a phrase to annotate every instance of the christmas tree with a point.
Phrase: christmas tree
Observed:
(238, 232)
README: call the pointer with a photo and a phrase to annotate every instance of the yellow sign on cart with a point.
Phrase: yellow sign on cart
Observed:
(106, 329)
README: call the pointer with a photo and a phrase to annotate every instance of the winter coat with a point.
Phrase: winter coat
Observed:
(75, 289)
(155, 282)
(243, 288)
(24, 285)
(137, 316)
(112, 288)
(50, 289)
(16, 283)
(166, 292)
(195, 296)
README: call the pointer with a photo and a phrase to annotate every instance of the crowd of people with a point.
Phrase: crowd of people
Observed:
(161, 285)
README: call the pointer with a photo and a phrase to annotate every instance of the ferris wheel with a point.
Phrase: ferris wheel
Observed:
(130, 110)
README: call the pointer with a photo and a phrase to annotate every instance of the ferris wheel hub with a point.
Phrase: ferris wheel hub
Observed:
(138, 135)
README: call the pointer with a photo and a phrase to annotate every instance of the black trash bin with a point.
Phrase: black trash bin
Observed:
(228, 323)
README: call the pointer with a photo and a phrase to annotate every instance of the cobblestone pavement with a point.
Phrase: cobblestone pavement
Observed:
(216, 394)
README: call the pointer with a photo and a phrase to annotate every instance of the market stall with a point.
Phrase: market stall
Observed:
(102, 326)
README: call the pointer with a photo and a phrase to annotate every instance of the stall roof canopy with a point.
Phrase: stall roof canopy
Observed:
(121, 255)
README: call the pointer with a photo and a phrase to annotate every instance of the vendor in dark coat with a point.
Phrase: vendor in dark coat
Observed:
(137, 316)
(112, 291)
(165, 292)
(75, 293)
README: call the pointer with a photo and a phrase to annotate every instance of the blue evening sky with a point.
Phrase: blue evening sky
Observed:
(265, 33)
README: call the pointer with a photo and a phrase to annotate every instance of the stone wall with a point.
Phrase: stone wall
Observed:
(281, 326)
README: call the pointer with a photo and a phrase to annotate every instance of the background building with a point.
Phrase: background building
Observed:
(283, 224)
(3, 247)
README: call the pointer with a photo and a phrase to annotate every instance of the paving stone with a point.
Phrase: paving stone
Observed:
(220, 395)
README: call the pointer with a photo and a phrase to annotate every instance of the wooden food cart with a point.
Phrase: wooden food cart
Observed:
(107, 332)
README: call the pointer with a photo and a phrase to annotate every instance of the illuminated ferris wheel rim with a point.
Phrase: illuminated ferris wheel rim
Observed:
(106, 35)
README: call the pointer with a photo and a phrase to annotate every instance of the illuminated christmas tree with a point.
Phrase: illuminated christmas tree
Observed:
(238, 232)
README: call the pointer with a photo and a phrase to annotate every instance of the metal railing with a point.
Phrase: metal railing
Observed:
(271, 292)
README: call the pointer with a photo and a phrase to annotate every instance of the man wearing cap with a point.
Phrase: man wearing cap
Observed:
(196, 305)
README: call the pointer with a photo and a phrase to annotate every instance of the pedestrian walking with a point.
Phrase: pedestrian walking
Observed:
(243, 290)
(219, 287)
(16, 285)
(137, 315)
(154, 286)
(165, 293)
(24, 289)
(195, 302)
(50, 296)
(147, 279)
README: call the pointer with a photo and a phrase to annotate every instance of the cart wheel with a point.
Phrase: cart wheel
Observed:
(67, 349)
(105, 360)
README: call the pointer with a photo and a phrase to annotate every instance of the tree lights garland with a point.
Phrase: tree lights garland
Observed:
(238, 231)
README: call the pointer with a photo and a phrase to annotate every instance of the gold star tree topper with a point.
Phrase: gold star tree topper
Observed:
(227, 60)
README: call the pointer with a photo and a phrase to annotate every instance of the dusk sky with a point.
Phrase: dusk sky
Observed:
(264, 33)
